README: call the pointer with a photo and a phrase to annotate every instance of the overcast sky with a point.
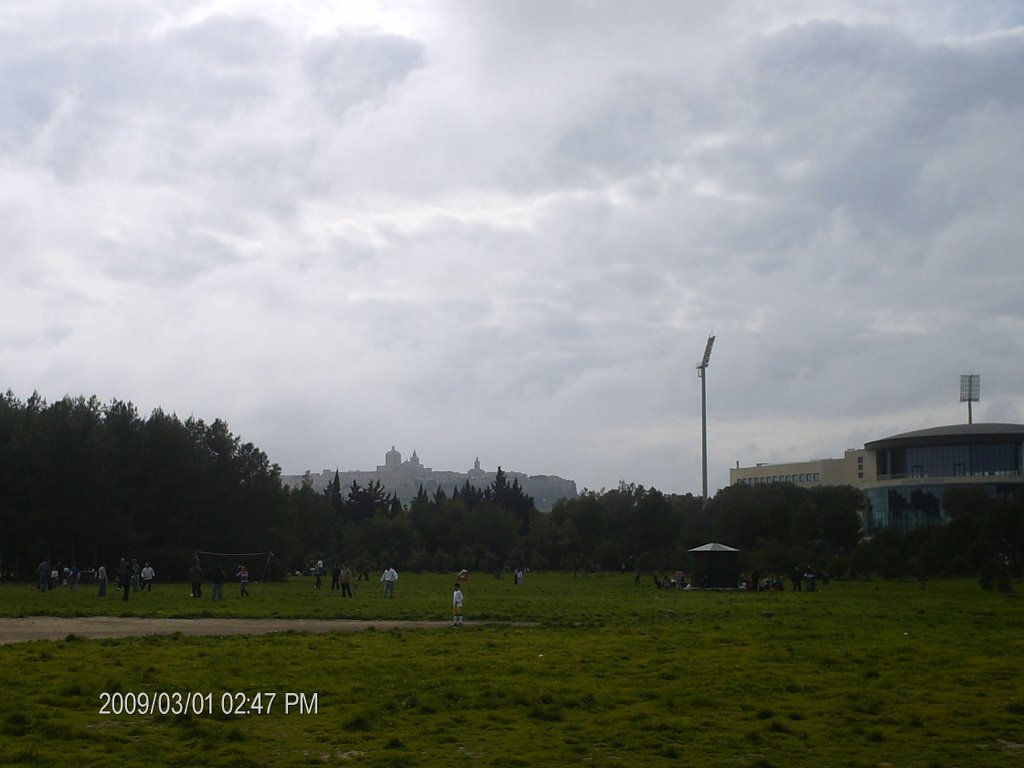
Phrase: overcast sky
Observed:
(506, 229)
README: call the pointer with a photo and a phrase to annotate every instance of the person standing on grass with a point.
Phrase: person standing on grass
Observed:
(44, 574)
(389, 577)
(101, 579)
(147, 574)
(345, 575)
(243, 581)
(319, 573)
(124, 578)
(335, 576)
(195, 575)
(810, 576)
(457, 606)
(219, 577)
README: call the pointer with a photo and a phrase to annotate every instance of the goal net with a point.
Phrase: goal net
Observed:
(262, 566)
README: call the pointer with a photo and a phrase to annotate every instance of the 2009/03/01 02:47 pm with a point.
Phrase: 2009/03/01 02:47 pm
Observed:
(207, 703)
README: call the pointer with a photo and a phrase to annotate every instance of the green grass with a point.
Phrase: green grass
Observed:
(857, 674)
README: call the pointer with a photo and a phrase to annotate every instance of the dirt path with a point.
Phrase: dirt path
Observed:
(20, 630)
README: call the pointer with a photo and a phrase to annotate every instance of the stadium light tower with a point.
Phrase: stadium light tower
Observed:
(970, 392)
(702, 368)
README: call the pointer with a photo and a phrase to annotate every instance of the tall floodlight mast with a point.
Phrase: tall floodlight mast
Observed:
(970, 392)
(702, 368)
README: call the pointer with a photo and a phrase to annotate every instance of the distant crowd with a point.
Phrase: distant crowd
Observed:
(801, 579)
(131, 577)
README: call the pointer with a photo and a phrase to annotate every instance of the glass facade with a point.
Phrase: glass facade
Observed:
(905, 477)
(907, 507)
(996, 462)
(971, 460)
(904, 508)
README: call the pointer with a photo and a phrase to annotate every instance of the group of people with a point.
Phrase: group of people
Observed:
(389, 578)
(801, 578)
(129, 577)
(218, 577)
(807, 576)
(665, 581)
(341, 577)
(52, 576)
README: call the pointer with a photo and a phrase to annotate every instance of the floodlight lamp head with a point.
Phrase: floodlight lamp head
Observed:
(707, 354)
(970, 387)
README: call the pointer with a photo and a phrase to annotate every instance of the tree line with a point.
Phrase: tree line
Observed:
(87, 482)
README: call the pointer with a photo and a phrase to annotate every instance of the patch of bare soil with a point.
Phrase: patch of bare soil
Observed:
(23, 629)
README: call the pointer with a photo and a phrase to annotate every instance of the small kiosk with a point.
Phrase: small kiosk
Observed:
(716, 566)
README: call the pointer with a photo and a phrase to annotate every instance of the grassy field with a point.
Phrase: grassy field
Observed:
(613, 674)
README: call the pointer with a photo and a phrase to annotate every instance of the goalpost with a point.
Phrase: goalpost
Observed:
(262, 566)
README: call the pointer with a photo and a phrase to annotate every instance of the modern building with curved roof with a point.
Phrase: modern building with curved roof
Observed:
(905, 477)
(914, 470)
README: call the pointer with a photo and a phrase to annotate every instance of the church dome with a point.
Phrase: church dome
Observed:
(392, 458)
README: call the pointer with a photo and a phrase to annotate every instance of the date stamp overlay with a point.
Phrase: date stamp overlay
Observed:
(208, 703)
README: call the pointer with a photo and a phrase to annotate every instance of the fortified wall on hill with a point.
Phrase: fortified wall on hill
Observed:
(406, 477)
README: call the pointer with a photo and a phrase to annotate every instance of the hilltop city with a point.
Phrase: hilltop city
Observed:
(405, 478)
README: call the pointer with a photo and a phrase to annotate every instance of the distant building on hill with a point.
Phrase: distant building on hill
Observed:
(407, 477)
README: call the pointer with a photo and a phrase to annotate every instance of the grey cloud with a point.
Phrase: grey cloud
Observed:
(85, 95)
(348, 70)
(29, 93)
(207, 70)
(638, 124)
(836, 200)
(835, 100)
